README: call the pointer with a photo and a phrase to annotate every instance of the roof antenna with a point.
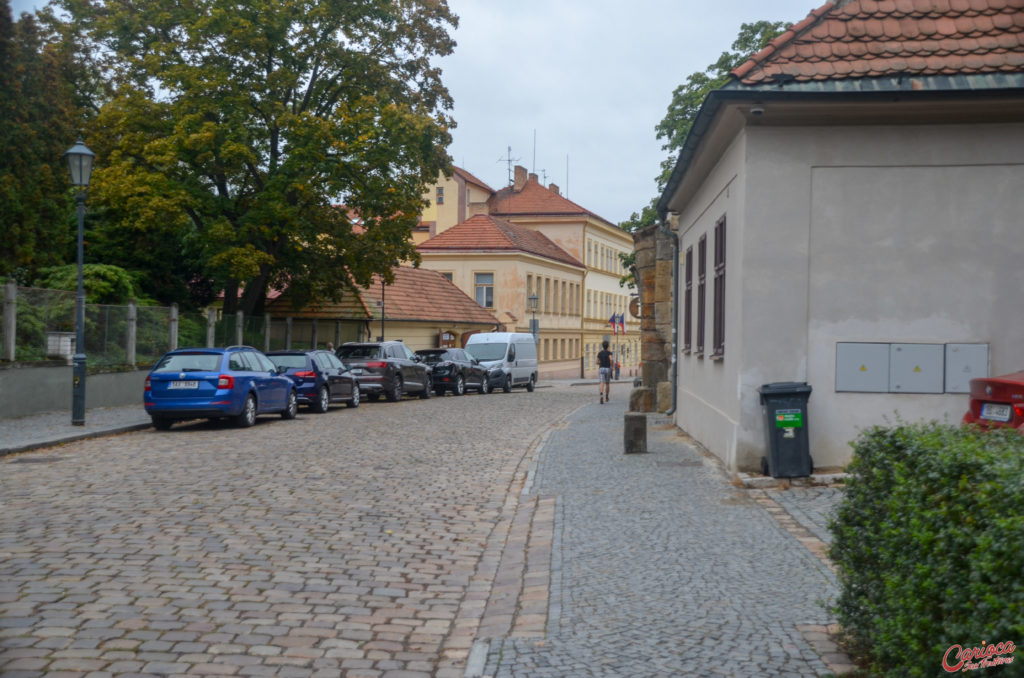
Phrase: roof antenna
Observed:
(509, 159)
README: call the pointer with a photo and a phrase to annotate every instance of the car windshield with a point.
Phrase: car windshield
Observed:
(434, 357)
(487, 351)
(288, 360)
(346, 352)
(189, 362)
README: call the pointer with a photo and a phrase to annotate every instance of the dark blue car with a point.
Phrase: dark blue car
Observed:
(237, 382)
(320, 378)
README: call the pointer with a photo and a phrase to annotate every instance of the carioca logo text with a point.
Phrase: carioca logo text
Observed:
(966, 658)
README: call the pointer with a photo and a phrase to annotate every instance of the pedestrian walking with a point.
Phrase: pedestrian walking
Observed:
(604, 372)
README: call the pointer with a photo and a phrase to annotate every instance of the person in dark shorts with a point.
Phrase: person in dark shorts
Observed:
(604, 372)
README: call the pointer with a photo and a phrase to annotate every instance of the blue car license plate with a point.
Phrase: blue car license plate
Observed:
(183, 384)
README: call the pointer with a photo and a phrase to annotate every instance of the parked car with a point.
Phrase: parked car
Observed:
(320, 378)
(514, 353)
(237, 382)
(386, 367)
(997, 401)
(455, 370)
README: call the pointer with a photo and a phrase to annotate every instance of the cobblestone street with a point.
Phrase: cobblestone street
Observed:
(500, 535)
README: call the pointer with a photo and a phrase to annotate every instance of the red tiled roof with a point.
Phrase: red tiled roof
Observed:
(472, 179)
(420, 294)
(534, 199)
(874, 38)
(484, 233)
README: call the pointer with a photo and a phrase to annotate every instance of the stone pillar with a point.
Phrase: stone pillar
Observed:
(211, 328)
(133, 332)
(173, 328)
(288, 333)
(239, 328)
(10, 327)
(635, 433)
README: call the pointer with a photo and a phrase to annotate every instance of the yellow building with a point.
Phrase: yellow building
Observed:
(574, 307)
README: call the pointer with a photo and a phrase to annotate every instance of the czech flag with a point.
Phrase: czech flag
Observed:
(615, 326)
(622, 322)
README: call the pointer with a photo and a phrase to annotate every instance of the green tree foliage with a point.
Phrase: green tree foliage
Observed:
(39, 115)
(103, 283)
(689, 97)
(236, 132)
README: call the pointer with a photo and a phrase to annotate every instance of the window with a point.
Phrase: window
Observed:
(440, 195)
(718, 313)
(688, 302)
(447, 274)
(702, 263)
(485, 289)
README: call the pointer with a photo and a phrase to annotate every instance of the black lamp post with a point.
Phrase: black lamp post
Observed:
(531, 303)
(80, 163)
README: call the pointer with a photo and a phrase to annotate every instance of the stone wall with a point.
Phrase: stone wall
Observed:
(654, 260)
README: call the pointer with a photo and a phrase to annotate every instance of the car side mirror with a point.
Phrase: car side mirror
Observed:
(280, 369)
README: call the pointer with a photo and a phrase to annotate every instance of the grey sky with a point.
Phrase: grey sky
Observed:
(591, 77)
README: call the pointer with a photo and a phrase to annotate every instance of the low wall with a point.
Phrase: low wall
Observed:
(30, 389)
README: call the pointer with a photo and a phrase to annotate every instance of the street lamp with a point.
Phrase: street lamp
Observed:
(80, 163)
(531, 304)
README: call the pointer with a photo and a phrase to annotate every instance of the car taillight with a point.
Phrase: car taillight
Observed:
(149, 386)
(309, 374)
(1019, 409)
(377, 365)
(225, 381)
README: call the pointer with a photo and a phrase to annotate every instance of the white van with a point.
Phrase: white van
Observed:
(514, 353)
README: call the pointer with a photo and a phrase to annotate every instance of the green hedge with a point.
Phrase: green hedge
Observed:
(929, 547)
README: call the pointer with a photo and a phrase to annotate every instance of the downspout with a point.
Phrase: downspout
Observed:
(674, 368)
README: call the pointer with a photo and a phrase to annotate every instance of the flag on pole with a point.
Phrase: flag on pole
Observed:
(615, 327)
(622, 322)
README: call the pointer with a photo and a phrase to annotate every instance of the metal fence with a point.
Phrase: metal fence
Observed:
(39, 324)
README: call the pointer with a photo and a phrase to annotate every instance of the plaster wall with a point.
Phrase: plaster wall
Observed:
(28, 389)
(877, 234)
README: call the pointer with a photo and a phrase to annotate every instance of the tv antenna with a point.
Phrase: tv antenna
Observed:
(509, 160)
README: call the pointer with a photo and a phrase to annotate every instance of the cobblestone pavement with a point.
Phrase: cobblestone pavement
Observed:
(362, 542)
(383, 541)
(661, 567)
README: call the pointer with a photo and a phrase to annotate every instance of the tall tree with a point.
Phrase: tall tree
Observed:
(256, 131)
(39, 119)
(689, 97)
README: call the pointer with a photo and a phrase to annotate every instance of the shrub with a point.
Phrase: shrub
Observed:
(929, 547)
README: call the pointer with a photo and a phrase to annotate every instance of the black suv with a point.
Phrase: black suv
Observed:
(387, 367)
(455, 370)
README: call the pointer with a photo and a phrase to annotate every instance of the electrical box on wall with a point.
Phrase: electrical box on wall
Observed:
(963, 363)
(916, 368)
(862, 367)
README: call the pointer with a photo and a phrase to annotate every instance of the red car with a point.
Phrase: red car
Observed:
(997, 401)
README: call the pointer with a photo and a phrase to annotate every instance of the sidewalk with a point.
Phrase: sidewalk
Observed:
(53, 428)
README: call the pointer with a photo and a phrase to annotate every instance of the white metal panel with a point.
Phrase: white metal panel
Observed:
(916, 368)
(963, 363)
(862, 367)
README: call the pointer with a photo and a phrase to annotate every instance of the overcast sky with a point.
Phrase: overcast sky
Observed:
(592, 77)
(589, 78)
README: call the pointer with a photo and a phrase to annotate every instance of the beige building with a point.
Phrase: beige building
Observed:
(574, 310)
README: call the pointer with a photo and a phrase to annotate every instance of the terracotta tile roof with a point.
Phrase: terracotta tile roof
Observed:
(534, 200)
(484, 233)
(874, 38)
(420, 294)
(472, 179)
(351, 307)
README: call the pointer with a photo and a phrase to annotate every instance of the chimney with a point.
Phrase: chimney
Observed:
(520, 179)
(533, 178)
(554, 189)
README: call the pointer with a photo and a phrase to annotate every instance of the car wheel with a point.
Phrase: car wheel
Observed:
(247, 417)
(507, 388)
(162, 423)
(292, 408)
(323, 400)
(427, 391)
(529, 387)
(395, 393)
(356, 395)
(485, 385)
(460, 385)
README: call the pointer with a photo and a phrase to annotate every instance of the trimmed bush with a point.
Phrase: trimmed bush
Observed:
(929, 548)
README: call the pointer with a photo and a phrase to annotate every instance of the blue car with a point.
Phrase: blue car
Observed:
(237, 382)
(320, 378)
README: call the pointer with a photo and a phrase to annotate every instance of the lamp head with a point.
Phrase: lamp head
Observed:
(80, 160)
